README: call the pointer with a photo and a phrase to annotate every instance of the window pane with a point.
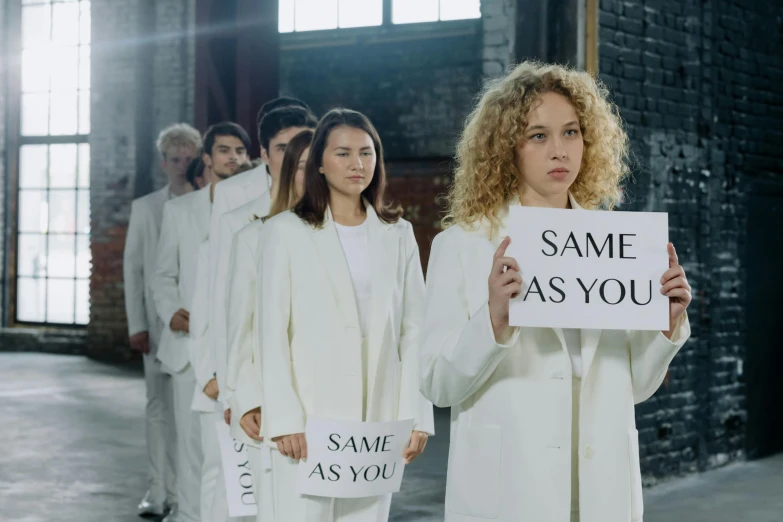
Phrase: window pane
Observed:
(32, 166)
(35, 114)
(410, 11)
(30, 300)
(84, 22)
(83, 257)
(59, 303)
(62, 255)
(316, 14)
(64, 117)
(62, 170)
(285, 17)
(65, 68)
(35, 70)
(36, 26)
(32, 255)
(83, 210)
(84, 165)
(84, 67)
(82, 301)
(360, 13)
(460, 9)
(84, 112)
(62, 211)
(33, 211)
(65, 29)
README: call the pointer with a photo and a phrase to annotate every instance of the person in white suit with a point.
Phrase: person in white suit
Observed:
(177, 145)
(243, 374)
(340, 297)
(184, 231)
(542, 419)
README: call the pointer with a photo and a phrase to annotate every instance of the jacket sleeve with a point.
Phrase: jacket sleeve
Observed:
(165, 291)
(220, 248)
(283, 411)
(651, 353)
(243, 377)
(133, 272)
(199, 347)
(458, 349)
(412, 404)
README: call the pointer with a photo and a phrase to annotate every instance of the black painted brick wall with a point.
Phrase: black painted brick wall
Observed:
(700, 84)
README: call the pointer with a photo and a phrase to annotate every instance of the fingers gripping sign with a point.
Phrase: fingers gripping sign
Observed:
(505, 283)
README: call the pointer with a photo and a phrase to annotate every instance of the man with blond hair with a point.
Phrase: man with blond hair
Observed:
(178, 145)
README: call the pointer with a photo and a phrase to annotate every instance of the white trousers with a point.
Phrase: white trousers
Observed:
(189, 454)
(262, 483)
(161, 433)
(292, 507)
(214, 503)
(576, 393)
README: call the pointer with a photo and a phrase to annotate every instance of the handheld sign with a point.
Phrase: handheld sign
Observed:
(589, 269)
(348, 459)
(236, 471)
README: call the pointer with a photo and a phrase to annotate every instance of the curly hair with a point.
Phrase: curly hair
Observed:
(486, 175)
(178, 135)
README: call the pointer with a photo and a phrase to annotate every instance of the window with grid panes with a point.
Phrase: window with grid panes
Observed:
(53, 222)
(311, 15)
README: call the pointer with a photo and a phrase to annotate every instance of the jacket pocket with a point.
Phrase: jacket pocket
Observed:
(473, 487)
(635, 478)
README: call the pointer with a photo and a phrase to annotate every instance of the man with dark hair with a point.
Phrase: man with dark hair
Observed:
(195, 174)
(183, 238)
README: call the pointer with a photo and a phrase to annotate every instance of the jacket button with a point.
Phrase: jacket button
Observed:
(588, 452)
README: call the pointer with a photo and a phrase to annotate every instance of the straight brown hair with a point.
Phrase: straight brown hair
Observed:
(286, 193)
(312, 207)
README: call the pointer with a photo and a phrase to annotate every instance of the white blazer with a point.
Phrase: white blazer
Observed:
(139, 262)
(231, 194)
(243, 389)
(185, 226)
(199, 348)
(510, 452)
(311, 341)
(230, 223)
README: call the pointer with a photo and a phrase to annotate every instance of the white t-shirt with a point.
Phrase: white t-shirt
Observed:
(573, 339)
(357, 252)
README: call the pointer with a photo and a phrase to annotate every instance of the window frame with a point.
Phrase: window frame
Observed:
(14, 141)
(386, 22)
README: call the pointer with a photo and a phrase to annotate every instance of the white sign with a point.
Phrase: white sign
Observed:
(353, 459)
(236, 471)
(589, 269)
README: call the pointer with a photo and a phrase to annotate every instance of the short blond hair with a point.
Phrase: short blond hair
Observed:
(486, 175)
(178, 135)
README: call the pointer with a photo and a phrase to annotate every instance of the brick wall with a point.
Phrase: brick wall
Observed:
(694, 80)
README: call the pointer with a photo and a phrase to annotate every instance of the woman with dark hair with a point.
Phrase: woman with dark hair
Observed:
(243, 383)
(339, 302)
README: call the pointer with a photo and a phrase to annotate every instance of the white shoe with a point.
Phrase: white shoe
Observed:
(172, 516)
(148, 508)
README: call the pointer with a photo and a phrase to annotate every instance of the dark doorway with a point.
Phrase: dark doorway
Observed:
(764, 350)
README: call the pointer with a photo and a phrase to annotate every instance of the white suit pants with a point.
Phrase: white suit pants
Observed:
(189, 454)
(262, 482)
(290, 506)
(161, 433)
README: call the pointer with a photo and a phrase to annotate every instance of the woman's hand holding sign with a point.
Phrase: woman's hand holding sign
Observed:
(251, 424)
(416, 446)
(674, 285)
(505, 283)
(293, 446)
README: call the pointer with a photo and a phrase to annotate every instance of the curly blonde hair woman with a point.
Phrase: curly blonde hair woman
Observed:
(487, 173)
(530, 444)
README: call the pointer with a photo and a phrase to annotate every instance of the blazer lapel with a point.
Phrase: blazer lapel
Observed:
(589, 345)
(332, 258)
(384, 248)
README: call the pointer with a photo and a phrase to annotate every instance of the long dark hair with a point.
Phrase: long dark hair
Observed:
(312, 207)
(286, 192)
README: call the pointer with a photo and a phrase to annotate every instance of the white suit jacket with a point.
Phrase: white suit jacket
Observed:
(139, 262)
(199, 347)
(238, 191)
(185, 226)
(243, 376)
(311, 341)
(510, 452)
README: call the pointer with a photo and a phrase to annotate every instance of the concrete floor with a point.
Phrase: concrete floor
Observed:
(73, 437)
